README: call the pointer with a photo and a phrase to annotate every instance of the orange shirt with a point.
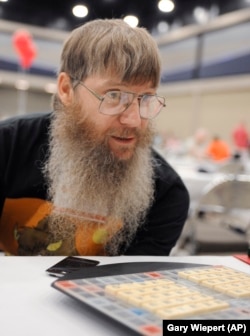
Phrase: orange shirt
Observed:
(218, 150)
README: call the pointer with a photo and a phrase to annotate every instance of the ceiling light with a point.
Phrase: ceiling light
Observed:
(166, 6)
(201, 15)
(80, 11)
(163, 27)
(131, 20)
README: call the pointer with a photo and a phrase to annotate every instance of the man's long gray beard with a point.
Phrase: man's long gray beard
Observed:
(85, 177)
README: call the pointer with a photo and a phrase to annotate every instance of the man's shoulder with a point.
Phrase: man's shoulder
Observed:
(167, 178)
(25, 129)
(161, 165)
(26, 126)
(26, 119)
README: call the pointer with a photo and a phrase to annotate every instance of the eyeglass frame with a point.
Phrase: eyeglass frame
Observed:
(139, 97)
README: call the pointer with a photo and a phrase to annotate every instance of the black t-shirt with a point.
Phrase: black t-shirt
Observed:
(24, 148)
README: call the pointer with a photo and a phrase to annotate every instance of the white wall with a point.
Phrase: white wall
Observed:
(216, 104)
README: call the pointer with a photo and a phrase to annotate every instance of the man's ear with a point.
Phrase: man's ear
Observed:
(64, 88)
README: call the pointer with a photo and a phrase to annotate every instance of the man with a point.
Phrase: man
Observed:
(241, 142)
(241, 137)
(84, 180)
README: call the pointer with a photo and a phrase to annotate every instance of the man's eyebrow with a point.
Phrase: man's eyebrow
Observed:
(112, 83)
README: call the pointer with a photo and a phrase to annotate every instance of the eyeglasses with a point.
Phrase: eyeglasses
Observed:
(116, 102)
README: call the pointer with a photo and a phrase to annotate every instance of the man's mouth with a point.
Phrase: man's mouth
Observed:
(124, 140)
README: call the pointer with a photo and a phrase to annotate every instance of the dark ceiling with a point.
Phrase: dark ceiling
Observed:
(57, 13)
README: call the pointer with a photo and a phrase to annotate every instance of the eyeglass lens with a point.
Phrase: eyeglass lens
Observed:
(115, 102)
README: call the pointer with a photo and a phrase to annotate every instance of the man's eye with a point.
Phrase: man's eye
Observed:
(147, 98)
(115, 95)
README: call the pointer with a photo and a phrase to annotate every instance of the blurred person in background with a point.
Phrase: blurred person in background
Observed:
(197, 144)
(218, 150)
(241, 140)
(84, 179)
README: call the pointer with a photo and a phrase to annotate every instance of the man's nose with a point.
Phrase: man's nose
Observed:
(131, 116)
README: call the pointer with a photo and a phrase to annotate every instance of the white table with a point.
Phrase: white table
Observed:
(31, 307)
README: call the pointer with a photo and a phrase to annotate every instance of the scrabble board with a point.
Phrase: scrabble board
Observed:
(140, 301)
